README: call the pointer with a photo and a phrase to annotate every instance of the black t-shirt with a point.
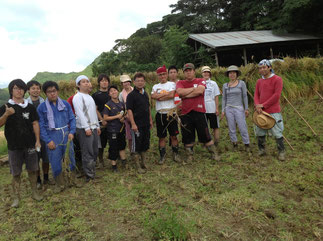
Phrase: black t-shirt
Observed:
(100, 99)
(139, 105)
(18, 129)
(111, 109)
(36, 103)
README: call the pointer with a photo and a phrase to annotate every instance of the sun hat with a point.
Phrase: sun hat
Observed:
(78, 79)
(233, 68)
(161, 70)
(188, 66)
(263, 120)
(125, 78)
(206, 69)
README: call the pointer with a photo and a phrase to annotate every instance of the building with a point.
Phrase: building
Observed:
(243, 47)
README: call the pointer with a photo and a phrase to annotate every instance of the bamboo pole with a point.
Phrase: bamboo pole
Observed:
(300, 115)
(288, 143)
(318, 94)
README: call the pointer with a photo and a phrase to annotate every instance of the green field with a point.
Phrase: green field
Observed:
(241, 197)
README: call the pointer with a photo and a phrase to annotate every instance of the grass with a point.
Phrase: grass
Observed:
(241, 197)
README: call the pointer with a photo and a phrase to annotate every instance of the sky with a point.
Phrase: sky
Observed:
(66, 35)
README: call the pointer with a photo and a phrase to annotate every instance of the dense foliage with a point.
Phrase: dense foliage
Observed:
(165, 41)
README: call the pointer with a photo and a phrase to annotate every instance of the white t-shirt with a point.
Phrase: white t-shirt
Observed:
(164, 88)
(85, 111)
(211, 91)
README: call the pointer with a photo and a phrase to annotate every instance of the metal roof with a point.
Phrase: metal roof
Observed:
(225, 39)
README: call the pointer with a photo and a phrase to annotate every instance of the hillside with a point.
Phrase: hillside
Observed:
(45, 76)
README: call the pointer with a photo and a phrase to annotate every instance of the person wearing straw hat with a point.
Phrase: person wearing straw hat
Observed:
(211, 99)
(235, 106)
(127, 88)
(163, 93)
(57, 127)
(87, 126)
(267, 95)
(191, 91)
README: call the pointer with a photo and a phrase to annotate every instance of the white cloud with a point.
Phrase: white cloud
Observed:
(66, 35)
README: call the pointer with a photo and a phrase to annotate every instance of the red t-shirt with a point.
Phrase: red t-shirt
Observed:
(268, 93)
(195, 103)
(70, 101)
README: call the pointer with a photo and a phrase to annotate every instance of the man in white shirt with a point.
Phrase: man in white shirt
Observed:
(211, 99)
(87, 126)
(163, 93)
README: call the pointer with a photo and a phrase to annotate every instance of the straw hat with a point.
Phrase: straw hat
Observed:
(125, 78)
(206, 69)
(233, 68)
(263, 120)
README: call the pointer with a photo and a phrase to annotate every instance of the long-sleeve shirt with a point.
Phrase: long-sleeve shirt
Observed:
(268, 92)
(64, 123)
(85, 111)
(235, 96)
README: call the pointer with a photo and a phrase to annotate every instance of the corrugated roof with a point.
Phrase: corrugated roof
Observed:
(225, 39)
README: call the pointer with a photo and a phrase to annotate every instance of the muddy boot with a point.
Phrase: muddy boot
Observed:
(33, 183)
(73, 180)
(39, 184)
(235, 146)
(175, 153)
(261, 145)
(16, 191)
(143, 160)
(136, 157)
(48, 181)
(124, 164)
(281, 149)
(162, 153)
(59, 187)
(214, 153)
(190, 158)
(101, 161)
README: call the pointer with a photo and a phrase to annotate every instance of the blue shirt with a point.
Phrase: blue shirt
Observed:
(64, 123)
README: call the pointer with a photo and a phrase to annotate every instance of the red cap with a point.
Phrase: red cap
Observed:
(161, 70)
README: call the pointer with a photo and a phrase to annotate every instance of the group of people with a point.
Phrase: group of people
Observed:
(73, 134)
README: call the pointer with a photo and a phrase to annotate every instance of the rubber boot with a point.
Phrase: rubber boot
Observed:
(281, 149)
(175, 153)
(143, 160)
(190, 157)
(136, 157)
(124, 164)
(73, 180)
(235, 146)
(59, 187)
(33, 183)
(162, 153)
(214, 154)
(100, 163)
(16, 191)
(261, 145)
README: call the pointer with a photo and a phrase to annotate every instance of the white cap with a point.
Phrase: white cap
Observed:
(78, 79)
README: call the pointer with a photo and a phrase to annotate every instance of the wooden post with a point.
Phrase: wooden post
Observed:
(195, 45)
(216, 59)
(271, 53)
(245, 56)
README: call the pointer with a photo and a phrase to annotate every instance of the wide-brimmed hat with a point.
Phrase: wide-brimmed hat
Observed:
(233, 68)
(124, 78)
(263, 120)
(206, 69)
